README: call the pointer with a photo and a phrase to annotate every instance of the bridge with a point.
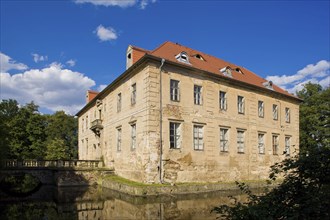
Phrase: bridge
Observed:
(57, 172)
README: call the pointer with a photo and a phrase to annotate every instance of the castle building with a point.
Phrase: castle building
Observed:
(179, 115)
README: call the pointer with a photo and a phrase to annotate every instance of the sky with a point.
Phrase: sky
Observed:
(52, 52)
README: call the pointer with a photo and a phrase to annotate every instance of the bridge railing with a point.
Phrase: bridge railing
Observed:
(51, 163)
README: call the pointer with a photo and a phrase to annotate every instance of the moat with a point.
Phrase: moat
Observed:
(51, 202)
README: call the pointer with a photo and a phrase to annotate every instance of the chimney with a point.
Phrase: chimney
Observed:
(90, 95)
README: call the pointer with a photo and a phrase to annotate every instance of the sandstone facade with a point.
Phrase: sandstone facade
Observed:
(183, 141)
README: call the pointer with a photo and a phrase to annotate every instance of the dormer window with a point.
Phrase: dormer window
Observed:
(268, 85)
(198, 56)
(182, 57)
(238, 70)
(226, 71)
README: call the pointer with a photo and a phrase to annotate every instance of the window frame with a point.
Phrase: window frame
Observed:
(224, 139)
(261, 109)
(133, 94)
(119, 139)
(223, 100)
(287, 115)
(241, 104)
(287, 144)
(174, 90)
(199, 139)
(261, 143)
(275, 144)
(240, 141)
(119, 102)
(198, 99)
(275, 112)
(174, 135)
(133, 136)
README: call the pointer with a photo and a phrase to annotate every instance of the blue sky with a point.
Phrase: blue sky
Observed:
(53, 51)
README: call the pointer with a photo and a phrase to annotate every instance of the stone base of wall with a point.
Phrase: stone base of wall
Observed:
(140, 189)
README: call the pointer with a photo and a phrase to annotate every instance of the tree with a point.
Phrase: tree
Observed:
(63, 127)
(303, 194)
(8, 110)
(57, 150)
(314, 117)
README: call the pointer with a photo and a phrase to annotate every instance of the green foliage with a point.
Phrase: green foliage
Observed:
(27, 134)
(314, 117)
(57, 150)
(304, 193)
(305, 190)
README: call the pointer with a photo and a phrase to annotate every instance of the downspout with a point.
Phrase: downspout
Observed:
(161, 123)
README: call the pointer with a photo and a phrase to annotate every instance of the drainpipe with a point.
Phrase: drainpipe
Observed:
(161, 123)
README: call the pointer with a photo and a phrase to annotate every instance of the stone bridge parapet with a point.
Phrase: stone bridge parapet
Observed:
(57, 172)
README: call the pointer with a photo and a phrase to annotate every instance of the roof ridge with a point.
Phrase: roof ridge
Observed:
(141, 49)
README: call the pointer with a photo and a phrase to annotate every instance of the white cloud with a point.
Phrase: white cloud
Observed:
(71, 62)
(106, 34)
(119, 3)
(318, 73)
(6, 64)
(53, 88)
(37, 58)
(101, 87)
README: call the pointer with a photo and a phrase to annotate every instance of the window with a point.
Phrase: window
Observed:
(174, 90)
(261, 143)
(175, 131)
(287, 115)
(261, 109)
(240, 141)
(86, 122)
(182, 57)
(275, 112)
(240, 104)
(119, 102)
(133, 95)
(223, 100)
(224, 144)
(118, 139)
(198, 137)
(197, 95)
(83, 124)
(287, 146)
(275, 144)
(133, 136)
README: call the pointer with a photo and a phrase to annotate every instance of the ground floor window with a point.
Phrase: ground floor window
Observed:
(198, 137)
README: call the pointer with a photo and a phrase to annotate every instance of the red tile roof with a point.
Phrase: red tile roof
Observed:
(169, 50)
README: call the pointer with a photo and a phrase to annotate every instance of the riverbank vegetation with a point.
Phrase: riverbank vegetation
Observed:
(305, 190)
(25, 133)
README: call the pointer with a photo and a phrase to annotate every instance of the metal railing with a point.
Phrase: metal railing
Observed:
(51, 164)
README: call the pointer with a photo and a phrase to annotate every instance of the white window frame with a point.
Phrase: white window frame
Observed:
(119, 98)
(119, 133)
(175, 135)
(261, 109)
(287, 145)
(275, 112)
(133, 136)
(241, 104)
(240, 141)
(275, 144)
(174, 90)
(198, 135)
(287, 115)
(224, 139)
(133, 95)
(198, 95)
(261, 143)
(223, 100)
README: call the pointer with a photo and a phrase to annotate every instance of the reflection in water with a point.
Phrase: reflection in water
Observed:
(100, 203)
